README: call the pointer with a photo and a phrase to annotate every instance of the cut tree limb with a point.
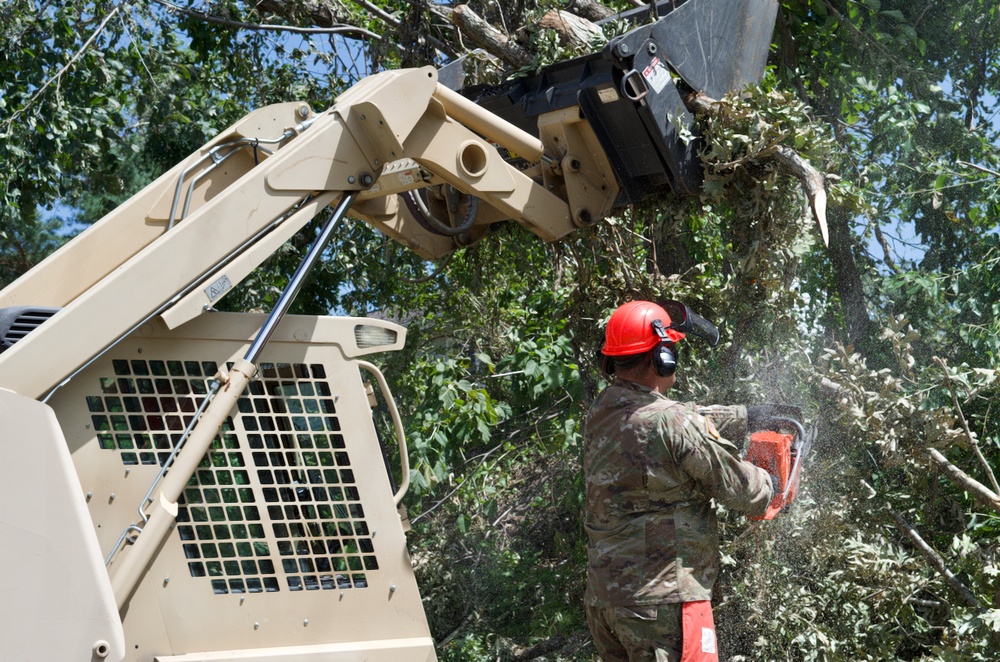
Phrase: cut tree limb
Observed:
(590, 9)
(573, 30)
(700, 104)
(813, 182)
(982, 494)
(488, 38)
(937, 562)
(811, 178)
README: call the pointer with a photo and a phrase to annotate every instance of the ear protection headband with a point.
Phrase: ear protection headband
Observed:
(664, 353)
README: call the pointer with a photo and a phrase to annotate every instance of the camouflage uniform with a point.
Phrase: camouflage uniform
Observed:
(652, 467)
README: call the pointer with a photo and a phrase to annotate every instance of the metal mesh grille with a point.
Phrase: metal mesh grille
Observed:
(143, 409)
(274, 502)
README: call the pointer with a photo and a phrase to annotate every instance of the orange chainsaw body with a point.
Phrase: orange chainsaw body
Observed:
(775, 453)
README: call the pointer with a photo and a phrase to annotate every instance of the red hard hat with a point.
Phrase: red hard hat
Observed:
(630, 329)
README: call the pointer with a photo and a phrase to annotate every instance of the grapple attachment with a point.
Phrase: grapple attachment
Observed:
(631, 94)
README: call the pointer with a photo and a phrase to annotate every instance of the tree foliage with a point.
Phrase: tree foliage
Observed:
(888, 337)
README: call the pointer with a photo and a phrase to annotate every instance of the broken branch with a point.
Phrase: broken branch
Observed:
(812, 179)
(489, 38)
(573, 30)
(937, 562)
(983, 494)
(590, 9)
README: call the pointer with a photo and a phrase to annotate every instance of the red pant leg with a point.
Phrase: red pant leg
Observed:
(699, 632)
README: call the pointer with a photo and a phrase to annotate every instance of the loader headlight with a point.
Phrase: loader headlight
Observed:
(373, 336)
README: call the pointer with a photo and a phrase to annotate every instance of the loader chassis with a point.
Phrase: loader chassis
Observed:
(182, 484)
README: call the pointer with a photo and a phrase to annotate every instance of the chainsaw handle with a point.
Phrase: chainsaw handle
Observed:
(800, 433)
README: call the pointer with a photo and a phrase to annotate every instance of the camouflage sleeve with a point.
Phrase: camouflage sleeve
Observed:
(702, 453)
(729, 420)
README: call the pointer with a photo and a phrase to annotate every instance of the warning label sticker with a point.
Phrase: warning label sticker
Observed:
(607, 95)
(656, 75)
(220, 286)
(407, 177)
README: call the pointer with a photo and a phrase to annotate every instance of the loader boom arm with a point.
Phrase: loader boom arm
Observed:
(201, 228)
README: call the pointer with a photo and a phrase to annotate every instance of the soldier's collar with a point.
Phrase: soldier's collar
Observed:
(636, 386)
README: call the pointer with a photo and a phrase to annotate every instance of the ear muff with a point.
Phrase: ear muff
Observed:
(664, 353)
(664, 359)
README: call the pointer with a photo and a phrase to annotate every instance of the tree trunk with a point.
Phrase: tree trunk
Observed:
(847, 278)
(488, 38)
(573, 30)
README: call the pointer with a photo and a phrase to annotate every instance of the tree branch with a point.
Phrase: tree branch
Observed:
(590, 9)
(440, 11)
(573, 30)
(981, 168)
(983, 494)
(813, 182)
(351, 30)
(937, 562)
(390, 20)
(812, 179)
(65, 68)
(965, 426)
(378, 12)
(489, 38)
(886, 251)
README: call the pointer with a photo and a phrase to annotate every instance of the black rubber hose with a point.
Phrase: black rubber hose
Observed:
(428, 222)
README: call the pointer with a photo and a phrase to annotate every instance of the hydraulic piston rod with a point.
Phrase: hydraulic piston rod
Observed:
(295, 284)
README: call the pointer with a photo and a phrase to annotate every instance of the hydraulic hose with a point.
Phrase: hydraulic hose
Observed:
(418, 208)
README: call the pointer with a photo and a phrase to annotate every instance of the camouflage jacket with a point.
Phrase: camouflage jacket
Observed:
(652, 467)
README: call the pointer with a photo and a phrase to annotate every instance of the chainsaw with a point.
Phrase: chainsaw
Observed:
(781, 452)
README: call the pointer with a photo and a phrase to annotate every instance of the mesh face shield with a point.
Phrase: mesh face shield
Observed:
(689, 322)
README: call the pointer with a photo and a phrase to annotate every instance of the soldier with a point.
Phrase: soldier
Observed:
(652, 467)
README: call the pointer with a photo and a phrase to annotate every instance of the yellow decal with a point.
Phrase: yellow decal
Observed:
(710, 429)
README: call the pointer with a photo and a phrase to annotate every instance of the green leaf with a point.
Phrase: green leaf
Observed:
(991, 617)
